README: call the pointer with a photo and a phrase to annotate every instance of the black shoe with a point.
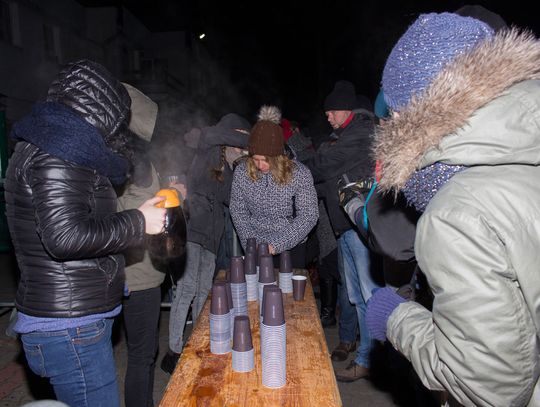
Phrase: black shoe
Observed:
(328, 317)
(168, 363)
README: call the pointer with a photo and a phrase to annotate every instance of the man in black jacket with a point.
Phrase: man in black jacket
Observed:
(347, 155)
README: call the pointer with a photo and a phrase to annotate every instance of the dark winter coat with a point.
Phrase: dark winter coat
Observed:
(62, 216)
(347, 152)
(207, 197)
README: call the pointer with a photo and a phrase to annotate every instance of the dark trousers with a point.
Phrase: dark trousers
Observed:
(141, 320)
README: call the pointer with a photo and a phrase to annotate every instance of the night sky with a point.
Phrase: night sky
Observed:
(291, 52)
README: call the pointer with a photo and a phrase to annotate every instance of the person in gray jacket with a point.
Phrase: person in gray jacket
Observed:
(463, 144)
(142, 305)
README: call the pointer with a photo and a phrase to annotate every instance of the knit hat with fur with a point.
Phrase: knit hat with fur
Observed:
(429, 44)
(266, 136)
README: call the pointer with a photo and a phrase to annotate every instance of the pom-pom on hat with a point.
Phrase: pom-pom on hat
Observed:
(266, 136)
(430, 43)
(342, 97)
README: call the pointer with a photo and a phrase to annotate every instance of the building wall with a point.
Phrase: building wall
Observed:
(47, 34)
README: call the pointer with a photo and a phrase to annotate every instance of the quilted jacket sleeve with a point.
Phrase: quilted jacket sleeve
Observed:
(63, 198)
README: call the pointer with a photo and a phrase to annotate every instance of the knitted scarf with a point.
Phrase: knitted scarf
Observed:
(60, 132)
(424, 183)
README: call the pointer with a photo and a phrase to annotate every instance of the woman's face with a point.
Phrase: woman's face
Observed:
(261, 163)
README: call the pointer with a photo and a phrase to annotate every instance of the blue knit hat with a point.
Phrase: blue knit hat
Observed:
(431, 42)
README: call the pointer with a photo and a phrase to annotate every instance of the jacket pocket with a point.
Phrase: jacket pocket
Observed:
(109, 267)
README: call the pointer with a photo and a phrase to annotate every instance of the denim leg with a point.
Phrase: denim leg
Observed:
(207, 267)
(186, 288)
(348, 321)
(79, 363)
(141, 319)
(358, 272)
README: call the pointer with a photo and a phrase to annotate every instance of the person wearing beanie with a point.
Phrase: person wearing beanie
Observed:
(207, 194)
(346, 157)
(462, 144)
(61, 208)
(272, 197)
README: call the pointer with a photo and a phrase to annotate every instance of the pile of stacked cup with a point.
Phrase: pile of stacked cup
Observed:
(237, 280)
(242, 349)
(220, 320)
(273, 339)
(251, 274)
(285, 272)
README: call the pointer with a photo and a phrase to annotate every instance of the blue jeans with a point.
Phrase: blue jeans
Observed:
(357, 270)
(79, 363)
(348, 321)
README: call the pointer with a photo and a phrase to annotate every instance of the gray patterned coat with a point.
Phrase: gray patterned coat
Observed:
(279, 215)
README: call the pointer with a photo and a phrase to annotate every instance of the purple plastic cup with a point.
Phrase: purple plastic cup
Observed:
(273, 314)
(285, 262)
(250, 263)
(242, 341)
(251, 244)
(266, 269)
(299, 287)
(219, 302)
(262, 249)
(266, 288)
(237, 275)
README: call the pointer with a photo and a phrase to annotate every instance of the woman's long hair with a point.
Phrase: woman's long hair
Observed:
(281, 168)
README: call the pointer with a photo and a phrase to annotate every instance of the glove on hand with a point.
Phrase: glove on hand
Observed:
(352, 195)
(379, 307)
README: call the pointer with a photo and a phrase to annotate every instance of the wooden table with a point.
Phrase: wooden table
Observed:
(204, 379)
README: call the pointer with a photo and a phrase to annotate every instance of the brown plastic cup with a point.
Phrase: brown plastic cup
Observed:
(273, 314)
(250, 263)
(251, 243)
(262, 249)
(237, 275)
(299, 287)
(219, 303)
(285, 262)
(266, 269)
(266, 288)
(242, 341)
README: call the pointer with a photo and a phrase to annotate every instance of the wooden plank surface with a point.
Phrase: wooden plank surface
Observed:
(204, 379)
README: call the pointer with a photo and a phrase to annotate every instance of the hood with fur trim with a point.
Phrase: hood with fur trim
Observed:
(453, 121)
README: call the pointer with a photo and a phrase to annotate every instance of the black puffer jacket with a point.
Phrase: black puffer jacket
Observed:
(62, 217)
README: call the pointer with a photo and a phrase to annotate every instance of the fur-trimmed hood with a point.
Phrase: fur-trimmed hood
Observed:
(447, 123)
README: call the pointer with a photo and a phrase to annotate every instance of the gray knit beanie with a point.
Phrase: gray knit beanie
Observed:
(430, 43)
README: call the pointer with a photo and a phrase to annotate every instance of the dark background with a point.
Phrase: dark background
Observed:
(290, 53)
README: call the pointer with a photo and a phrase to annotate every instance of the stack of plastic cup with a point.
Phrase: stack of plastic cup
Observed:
(266, 274)
(220, 320)
(251, 275)
(242, 350)
(285, 272)
(273, 341)
(238, 286)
